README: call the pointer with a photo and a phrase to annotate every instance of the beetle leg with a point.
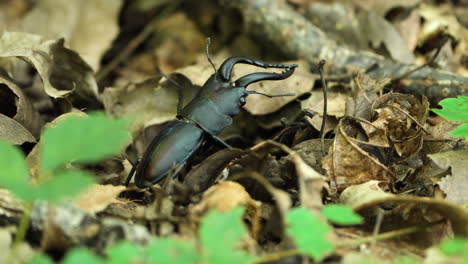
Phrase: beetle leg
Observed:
(225, 69)
(262, 76)
(132, 172)
(221, 141)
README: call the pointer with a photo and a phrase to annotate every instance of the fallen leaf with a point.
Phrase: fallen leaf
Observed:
(13, 132)
(348, 164)
(88, 26)
(62, 70)
(454, 185)
(16, 105)
(98, 197)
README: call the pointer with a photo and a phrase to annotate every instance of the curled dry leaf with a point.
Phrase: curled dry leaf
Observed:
(367, 197)
(89, 26)
(454, 185)
(13, 132)
(97, 197)
(311, 183)
(62, 70)
(206, 173)
(16, 105)
(348, 164)
(402, 115)
(276, 202)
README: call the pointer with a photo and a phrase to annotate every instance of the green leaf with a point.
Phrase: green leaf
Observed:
(124, 252)
(455, 109)
(40, 259)
(460, 131)
(81, 255)
(65, 184)
(341, 214)
(82, 139)
(14, 173)
(309, 232)
(221, 234)
(454, 247)
(168, 251)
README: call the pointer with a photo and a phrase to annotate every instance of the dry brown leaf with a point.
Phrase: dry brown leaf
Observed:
(13, 132)
(454, 185)
(62, 70)
(182, 42)
(97, 197)
(402, 116)
(16, 105)
(348, 164)
(89, 26)
(380, 32)
(225, 196)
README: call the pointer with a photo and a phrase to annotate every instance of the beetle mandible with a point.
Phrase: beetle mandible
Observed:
(207, 114)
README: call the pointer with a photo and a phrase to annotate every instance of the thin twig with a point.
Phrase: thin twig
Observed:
(352, 243)
(429, 62)
(324, 117)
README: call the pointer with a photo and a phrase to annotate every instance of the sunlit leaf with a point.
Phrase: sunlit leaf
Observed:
(310, 233)
(341, 214)
(64, 184)
(80, 256)
(124, 252)
(221, 235)
(14, 174)
(82, 139)
(168, 251)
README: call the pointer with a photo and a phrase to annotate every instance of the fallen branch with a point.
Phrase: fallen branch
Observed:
(278, 24)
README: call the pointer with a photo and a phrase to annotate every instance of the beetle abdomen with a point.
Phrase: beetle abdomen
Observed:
(173, 146)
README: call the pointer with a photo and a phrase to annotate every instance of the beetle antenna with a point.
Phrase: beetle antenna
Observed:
(270, 95)
(208, 43)
(167, 77)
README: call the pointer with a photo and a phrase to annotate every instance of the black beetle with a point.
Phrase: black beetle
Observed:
(207, 114)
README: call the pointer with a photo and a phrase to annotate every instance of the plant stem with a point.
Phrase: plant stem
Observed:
(352, 243)
(22, 229)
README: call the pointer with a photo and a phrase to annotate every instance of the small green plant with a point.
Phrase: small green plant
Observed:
(77, 139)
(220, 237)
(455, 109)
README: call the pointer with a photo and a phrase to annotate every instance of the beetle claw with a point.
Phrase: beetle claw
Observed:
(262, 76)
(226, 68)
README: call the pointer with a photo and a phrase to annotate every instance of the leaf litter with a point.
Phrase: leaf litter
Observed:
(385, 156)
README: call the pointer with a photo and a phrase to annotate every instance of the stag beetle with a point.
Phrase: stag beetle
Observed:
(207, 114)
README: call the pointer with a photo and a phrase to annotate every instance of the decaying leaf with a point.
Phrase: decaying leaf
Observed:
(17, 106)
(380, 32)
(348, 164)
(89, 26)
(402, 117)
(13, 132)
(62, 70)
(454, 185)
